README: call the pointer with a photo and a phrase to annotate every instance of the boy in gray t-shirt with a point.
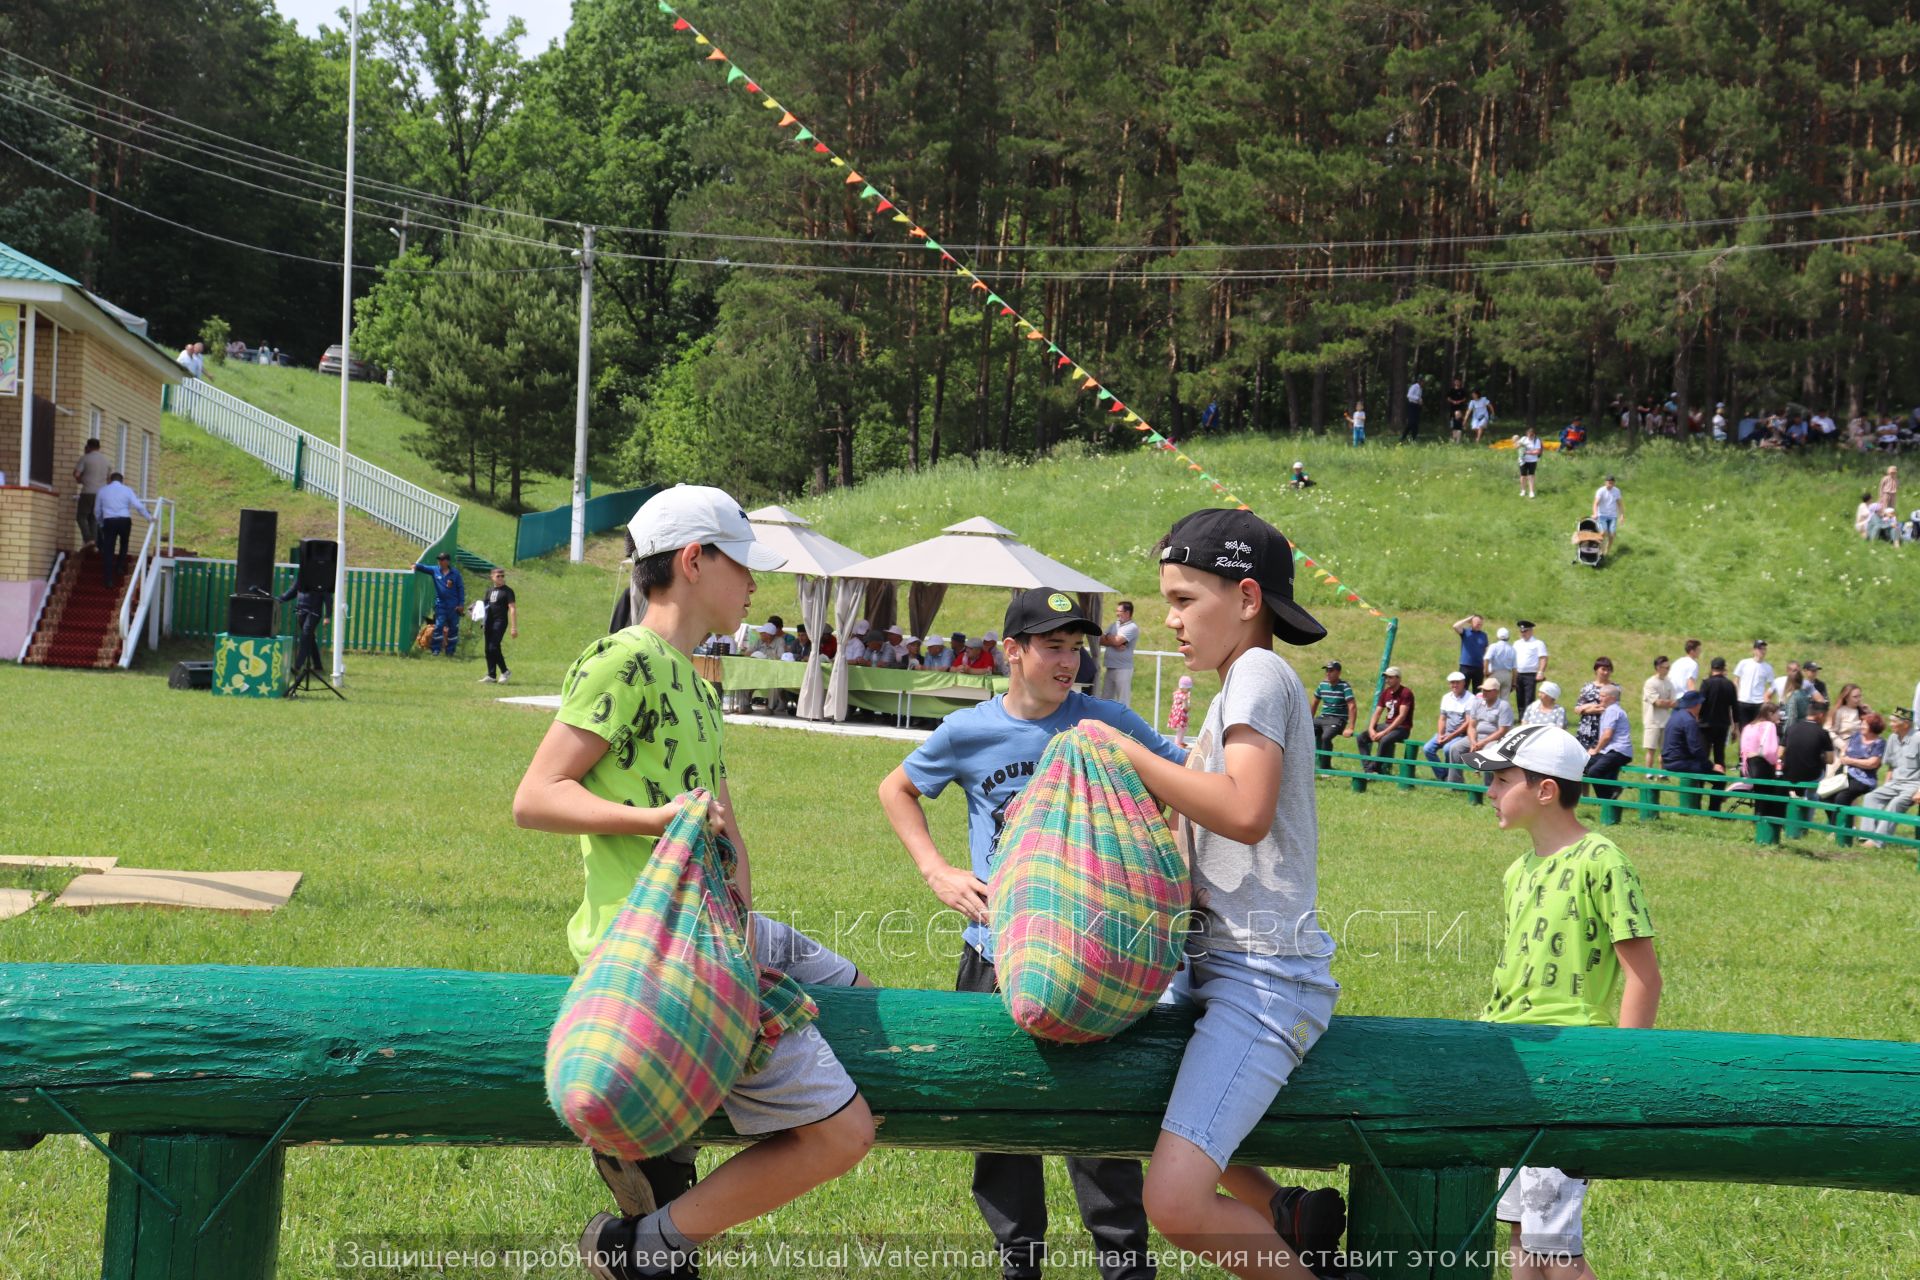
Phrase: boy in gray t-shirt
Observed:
(1257, 962)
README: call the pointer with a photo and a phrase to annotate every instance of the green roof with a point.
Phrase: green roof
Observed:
(15, 265)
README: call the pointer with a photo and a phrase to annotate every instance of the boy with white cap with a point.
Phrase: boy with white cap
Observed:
(638, 728)
(1577, 930)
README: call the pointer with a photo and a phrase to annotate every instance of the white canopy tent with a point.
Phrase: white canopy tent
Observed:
(974, 553)
(812, 558)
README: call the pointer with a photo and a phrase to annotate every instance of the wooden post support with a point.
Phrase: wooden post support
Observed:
(224, 1222)
(1445, 1204)
(1609, 815)
(1689, 799)
(1412, 751)
(1766, 831)
(1649, 795)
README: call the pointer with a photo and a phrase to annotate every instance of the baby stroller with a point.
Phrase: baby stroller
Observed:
(1589, 544)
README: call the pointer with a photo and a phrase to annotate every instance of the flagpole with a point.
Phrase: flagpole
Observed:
(346, 354)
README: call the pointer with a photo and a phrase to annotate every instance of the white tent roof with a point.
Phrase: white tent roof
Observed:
(806, 550)
(975, 553)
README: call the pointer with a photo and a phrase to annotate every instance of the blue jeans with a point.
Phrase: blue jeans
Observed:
(1432, 751)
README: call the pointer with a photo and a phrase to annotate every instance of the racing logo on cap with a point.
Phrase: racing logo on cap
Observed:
(1059, 603)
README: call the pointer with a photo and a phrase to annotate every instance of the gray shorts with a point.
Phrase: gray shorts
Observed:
(1544, 1205)
(804, 1082)
(1258, 1017)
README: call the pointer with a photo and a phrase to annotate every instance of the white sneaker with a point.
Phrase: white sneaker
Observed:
(485, 680)
(503, 677)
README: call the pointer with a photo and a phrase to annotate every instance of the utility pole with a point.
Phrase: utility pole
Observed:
(404, 211)
(578, 547)
(346, 351)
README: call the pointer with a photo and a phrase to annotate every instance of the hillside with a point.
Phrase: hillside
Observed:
(212, 480)
(1719, 544)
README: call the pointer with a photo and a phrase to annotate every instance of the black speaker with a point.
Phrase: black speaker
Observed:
(319, 560)
(253, 572)
(191, 675)
(250, 615)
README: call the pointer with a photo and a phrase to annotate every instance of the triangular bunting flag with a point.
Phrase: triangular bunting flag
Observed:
(932, 243)
(787, 118)
(869, 193)
(734, 73)
(917, 233)
(752, 87)
(1115, 407)
(716, 56)
(1352, 597)
(667, 8)
(770, 105)
(1105, 394)
(883, 206)
(700, 39)
(978, 284)
(962, 271)
(1089, 383)
(1078, 372)
(679, 24)
(839, 163)
(854, 179)
(1006, 310)
(803, 135)
(820, 147)
(1063, 360)
(1193, 466)
(992, 297)
(1132, 416)
(1035, 336)
(949, 257)
(901, 217)
(1141, 426)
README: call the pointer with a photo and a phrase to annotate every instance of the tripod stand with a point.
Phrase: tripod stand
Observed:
(306, 664)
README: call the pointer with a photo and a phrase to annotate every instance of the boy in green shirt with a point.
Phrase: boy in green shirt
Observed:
(637, 730)
(1577, 930)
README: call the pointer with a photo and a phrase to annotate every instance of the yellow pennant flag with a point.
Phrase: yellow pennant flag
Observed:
(701, 40)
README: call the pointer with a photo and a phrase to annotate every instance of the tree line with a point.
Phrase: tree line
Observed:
(1273, 208)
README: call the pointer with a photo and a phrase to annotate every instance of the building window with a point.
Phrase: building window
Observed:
(95, 421)
(121, 465)
(146, 464)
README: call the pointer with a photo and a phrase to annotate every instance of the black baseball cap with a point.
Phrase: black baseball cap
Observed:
(1042, 609)
(1237, 545)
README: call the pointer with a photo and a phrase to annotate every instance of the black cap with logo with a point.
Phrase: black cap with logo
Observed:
(1042, 609)
(1237, 545)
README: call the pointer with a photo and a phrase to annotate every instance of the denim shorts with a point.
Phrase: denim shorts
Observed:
(1607, 524)
(803, 1082)
(1258, 1017)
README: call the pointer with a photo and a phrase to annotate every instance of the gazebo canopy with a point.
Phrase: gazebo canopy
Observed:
(975, 553)
(807, 551)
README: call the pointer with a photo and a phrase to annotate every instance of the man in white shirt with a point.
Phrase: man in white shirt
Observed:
(113, 509)
(858, 655)
(1415, 394)
(1606, 510)
(1501, 660)
(1752, 685)
(1685, 673)
(1117, 647)
(1456, 704)
(1529, 664)
(1720, 422)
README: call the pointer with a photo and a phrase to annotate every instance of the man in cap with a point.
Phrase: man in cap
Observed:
(1501, 660)
(449, 601)
(1684, 748)
(989, 750)
(1489, 721)
(1901, 791)
(1529, 663)
(1334, 709)
(607, 773)
(1388, 726)
(937, 656)
(858, 653)
(1455, 705)
(893, 650)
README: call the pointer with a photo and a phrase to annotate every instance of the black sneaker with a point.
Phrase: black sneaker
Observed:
(1311, 1222)
(606, 1251)
(641, 1186)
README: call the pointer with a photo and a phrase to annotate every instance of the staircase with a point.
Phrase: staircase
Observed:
(80, 626)
(473, 561)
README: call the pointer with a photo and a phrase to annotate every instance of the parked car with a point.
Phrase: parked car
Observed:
(357, 369)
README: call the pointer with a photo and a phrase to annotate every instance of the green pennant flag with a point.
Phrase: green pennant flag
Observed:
(934, 245)
(994, 297)
(803, 135)
(868, 193)
(665, 7)
(734, 73)
(1053, 350)
(1105, 394)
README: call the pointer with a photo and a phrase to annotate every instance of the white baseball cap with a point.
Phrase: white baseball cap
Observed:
(1541, 748)
(767, 629)
(911, 640)
(937, 641)
(1456, 675)
(694, 513)
(990, 637)
(1501, 634)
(860, 627)
(895, 631)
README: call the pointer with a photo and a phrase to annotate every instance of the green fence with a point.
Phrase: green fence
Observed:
(1407, 769)
(384, 606)
(542, 531)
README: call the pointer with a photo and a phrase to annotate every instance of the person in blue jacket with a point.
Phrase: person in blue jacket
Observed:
(449, 601)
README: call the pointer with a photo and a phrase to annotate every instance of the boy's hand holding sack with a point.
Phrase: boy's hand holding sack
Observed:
(670, 1009)
(1089, 898)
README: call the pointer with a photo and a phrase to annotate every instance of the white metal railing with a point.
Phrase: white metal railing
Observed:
(143, 575)
(33, 628)
(295, 454)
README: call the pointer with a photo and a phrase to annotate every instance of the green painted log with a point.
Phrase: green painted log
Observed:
(221, 1216)
(408, 1055)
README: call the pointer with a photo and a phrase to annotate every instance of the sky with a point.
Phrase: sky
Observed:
(546, 19)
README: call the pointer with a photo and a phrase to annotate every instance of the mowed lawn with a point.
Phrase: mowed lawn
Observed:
(395, 805)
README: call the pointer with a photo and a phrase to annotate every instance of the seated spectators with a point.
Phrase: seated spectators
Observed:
(975, 659)
(858, 654)
(910, 656)
(1546, 708)
(936, 655)
(892, 653)
(996, 658)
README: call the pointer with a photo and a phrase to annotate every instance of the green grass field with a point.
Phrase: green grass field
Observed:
(395, 806)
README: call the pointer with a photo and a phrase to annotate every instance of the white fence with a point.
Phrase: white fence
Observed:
(311, 463)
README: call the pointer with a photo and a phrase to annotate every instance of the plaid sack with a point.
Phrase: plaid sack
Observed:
(1090, 895)
(669, 1010)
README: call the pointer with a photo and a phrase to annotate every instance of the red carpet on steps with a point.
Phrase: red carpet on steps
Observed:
(88, 614)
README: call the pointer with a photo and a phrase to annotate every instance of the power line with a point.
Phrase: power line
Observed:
(287, 159)
(259, 248)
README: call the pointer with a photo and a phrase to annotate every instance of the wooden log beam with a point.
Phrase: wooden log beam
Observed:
(409, 1055)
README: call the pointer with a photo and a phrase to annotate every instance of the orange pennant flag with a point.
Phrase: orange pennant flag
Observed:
(854, 179)
(978, 284)
(716, 56)
(916, 233)
(787, 118)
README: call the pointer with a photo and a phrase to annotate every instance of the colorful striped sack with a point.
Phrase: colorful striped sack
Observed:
(1089, 897)
(669, 1011)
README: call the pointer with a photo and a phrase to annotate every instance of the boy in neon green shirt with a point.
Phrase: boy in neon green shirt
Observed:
(1577, 931)
(637, 730)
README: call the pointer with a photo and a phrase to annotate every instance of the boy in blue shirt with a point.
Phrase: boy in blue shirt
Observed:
(990, 750)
